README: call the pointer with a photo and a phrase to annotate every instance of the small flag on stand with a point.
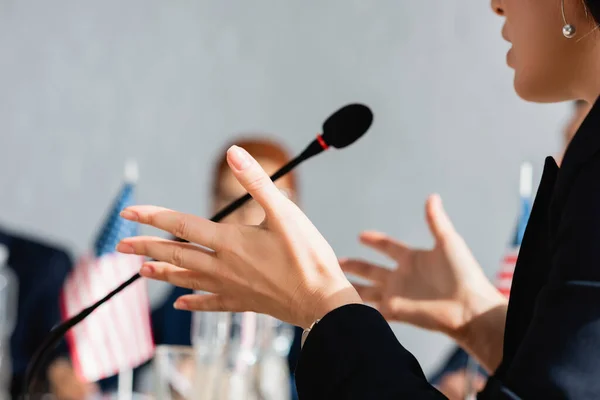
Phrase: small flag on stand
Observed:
(507, 267)
(118, 334)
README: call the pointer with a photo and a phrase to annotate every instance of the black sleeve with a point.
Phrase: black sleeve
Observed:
(352, 353)
(560, 353)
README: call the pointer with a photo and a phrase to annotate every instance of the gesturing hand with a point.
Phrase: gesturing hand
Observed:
(283, 268)
(439, 289)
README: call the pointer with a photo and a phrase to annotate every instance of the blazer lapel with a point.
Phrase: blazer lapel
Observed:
(533, 265)
(531, 269)
(583, 146)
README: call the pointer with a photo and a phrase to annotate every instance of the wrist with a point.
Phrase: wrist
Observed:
(476, 304)
(329, 300)
(482, 331)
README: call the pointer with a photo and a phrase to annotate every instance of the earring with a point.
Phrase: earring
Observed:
(568, 30)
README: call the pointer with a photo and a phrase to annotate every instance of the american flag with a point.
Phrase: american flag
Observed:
(507, 267)
(118, 334)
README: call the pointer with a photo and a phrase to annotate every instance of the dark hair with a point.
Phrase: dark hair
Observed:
(594, 7)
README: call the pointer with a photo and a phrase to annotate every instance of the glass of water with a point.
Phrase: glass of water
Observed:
(210, 336)
(174, 369)
(240, 379)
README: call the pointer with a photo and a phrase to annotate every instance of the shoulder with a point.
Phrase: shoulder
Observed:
(33, 254)
(582, 205)
(575, 246)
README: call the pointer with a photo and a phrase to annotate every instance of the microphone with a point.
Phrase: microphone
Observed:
(340, 130)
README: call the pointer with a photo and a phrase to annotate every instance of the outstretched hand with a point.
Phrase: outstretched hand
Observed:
(438, 289)
(283, 268)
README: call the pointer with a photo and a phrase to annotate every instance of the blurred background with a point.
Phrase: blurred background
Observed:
(86, 86)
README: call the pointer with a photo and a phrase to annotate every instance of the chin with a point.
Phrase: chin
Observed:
(538, 90)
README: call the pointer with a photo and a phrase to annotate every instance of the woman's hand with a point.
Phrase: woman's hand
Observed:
(438, 289)
(283, 268)
(442, 289)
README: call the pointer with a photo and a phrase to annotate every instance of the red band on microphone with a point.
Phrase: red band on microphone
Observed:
(324, 145)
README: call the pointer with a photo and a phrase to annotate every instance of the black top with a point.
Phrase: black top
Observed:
(552, 334)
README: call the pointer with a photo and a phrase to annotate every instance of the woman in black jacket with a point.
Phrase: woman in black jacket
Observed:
(450, 378)
(545, 344)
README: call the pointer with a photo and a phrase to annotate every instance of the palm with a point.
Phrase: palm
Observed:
(427, 288)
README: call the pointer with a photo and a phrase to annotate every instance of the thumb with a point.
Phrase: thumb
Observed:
(254, 179)
(437, 219)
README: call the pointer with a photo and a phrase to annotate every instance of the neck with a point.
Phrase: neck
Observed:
(591, 94)
(590, 87)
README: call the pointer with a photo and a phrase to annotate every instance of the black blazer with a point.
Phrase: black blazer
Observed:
(552, 335)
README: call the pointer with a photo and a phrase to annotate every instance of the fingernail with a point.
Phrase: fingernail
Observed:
(130, 215)
(125, 248)
(239, 158)
(147, 270)
(179, 305)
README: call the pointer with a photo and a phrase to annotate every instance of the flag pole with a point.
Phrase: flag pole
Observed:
(125, 377)
(131, 172)
(125, 383)
(526, 180)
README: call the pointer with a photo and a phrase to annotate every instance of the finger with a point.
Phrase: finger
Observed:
(437, 219)
(181, 277)
(254, 179)
(369, 294)
(184, 255)
(381, 242)
(364, 269)
(209, 302)
(186, 226)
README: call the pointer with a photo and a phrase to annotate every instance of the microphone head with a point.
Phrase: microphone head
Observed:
(346, 125)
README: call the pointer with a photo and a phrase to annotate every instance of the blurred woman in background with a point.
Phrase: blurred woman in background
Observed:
(39, 269)
(173, 327)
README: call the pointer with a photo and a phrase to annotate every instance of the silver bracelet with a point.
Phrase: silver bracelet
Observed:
(306, 332)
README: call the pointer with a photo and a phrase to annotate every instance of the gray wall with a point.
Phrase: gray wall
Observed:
(85, 85)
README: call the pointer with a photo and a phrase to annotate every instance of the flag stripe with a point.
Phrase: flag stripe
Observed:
(118, 333)
(116, 268)
(124, 269)
(70, 338)
(108, 318)
(144, 312)
(94, 331)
